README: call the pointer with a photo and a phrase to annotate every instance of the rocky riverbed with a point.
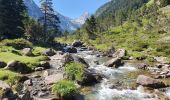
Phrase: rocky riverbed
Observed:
(107, 77)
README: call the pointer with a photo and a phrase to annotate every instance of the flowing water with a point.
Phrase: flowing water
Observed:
(121, 89)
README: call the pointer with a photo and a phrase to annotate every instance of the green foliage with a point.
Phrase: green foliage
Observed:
(65, 88)
(75, 70)
(8, 76)
(12, 15)
(16, 43)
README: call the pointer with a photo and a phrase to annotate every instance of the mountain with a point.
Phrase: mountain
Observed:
(66, 23)
(81, 20)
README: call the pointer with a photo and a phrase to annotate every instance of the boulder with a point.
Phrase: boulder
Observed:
(71, 50)
(18, 67)
(80, 60)
(149, 82)
(67, 58)
(109, 52)
(90, 78)
(4, 85)
(2, 64)
(27, 52)
(119, 53)
(26, 96)
(51, 79)
(48, 52)
(45, 64)
(115, 62)
(28, 82)
(77, 43)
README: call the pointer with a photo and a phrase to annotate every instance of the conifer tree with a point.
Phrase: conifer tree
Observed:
(11, 18)
(50, 20)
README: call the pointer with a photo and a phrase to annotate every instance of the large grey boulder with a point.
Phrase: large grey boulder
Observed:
(114, 62)
(2, 64)
(48, 52)
(90, 77)
(18, 67)
(149, 82)
(27, 52)
(79, 59)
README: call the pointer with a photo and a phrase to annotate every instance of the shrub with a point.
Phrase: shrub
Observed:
(65, 88)
(16, 43)
(75, 70)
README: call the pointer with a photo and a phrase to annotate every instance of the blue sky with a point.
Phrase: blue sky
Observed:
(75, 8)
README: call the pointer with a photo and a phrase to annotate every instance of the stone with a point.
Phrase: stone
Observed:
(18, 67)
(90, 78)
(2, 64)
(39, 68)
(114, 62)
(4, 85)
(26, 96)
(45, 64)
(51, 79)
(42, 94)
(149, 82)
(45, 74)
(28, 82)
(77, 43)
(27, 52)
(48, 52)
(119, 53)
(142, 66)
(80, 60)
(23, 79)
(71, 50)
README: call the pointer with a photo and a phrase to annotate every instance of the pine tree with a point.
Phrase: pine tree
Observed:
(91, 27)
(11, 18)
(50, 20)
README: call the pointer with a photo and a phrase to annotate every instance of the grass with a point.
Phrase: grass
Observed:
(75, 70)
(31, 62)
(8, 76)
(64, 88)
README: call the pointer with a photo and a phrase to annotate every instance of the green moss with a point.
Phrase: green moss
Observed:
(30, 61)
(38, 50)
(8, 76)
(64, 88)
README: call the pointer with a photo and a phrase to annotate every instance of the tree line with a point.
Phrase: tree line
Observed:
(16, 23)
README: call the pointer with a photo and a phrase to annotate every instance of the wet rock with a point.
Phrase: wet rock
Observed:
(149, 82)
(67, 58)
(18, 67)
(91, 48)
(115, 62)
(77, 43)
(27, 52)
(2, 64)
(28, 82)
(71, 50)
(119, 53)
(109, 52)
(45, 64)
(80, 60)
(51, 79)
(90, 78)
(39, 68)
(49, 52)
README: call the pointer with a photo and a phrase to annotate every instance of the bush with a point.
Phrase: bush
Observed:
(8, 76)
(16, 43)
(65, 88)
(75, 70)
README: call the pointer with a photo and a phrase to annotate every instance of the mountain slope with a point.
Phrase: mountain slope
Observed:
(65, 22)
